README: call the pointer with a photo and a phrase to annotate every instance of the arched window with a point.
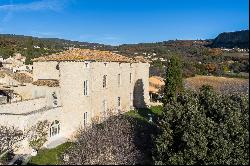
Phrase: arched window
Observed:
(54, 128)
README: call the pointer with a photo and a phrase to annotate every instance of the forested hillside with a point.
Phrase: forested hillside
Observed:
(32, 47)
(198, 56)
(232, 39)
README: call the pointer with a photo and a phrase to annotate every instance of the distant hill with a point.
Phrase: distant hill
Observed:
(32, 47)
(238, 39)
(197, 55)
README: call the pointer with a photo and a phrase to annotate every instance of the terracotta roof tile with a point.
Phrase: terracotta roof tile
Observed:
(156, 80)
(49, 83)
(77, 54)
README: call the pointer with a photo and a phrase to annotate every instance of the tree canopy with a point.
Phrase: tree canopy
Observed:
(108, 143)
(204, 128)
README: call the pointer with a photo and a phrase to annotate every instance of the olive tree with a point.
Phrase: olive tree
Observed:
(38, 134)
(9, 136)
(204, 128)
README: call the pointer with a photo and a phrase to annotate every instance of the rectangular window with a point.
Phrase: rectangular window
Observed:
(85, 118)
(119, 101)
(118, 109)
(104, 106)
(119, 79)
(104, 81)
(131, 99)
(130, 77)
(85, 88)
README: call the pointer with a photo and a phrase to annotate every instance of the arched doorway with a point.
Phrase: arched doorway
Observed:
(54, 128)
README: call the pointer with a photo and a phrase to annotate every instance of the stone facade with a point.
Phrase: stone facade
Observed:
(87, 90)
(99, 98)
(45, 70)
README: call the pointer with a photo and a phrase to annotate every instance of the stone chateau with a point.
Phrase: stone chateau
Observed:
(72, 88)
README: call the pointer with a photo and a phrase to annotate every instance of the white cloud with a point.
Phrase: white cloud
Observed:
(37, 5)
(54, 5)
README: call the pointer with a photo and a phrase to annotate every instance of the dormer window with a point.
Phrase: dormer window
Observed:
(120, 64)
(105, 64)
(130, 64)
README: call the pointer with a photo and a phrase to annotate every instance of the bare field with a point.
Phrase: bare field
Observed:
(220, 84)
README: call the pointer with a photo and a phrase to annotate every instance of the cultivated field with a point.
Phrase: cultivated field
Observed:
(220, 84)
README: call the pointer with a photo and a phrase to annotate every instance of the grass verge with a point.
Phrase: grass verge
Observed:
(49, 156)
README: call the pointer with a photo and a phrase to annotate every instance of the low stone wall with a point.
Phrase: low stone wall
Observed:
(27, 120)
(23, 106)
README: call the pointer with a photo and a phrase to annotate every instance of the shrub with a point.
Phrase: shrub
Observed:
(204, 128)
(110, 142)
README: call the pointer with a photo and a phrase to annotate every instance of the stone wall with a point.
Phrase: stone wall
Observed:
(72, 103)
(25, 122)
(27, 91)
(75, 103)
(45, 70)
(22, 106)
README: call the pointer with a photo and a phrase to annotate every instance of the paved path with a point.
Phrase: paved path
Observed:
(56, 142)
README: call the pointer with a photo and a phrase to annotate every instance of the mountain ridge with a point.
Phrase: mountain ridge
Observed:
(238, 39)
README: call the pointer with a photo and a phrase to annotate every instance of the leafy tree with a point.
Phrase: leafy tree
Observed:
(9, 136)
(173, 79)
(204, 128)
(108, 143)
(38, 134)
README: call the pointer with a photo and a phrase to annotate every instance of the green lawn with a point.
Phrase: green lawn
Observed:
(49, 156)
(143, 114)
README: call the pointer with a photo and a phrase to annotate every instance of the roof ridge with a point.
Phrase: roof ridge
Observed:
(78, 54)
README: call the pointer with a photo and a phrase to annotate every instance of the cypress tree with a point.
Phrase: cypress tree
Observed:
(173, 80)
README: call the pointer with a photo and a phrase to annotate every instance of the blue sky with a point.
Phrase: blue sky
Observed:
(123, 21)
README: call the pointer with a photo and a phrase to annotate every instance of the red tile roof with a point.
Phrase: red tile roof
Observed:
(49, 83)
(77, 54)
